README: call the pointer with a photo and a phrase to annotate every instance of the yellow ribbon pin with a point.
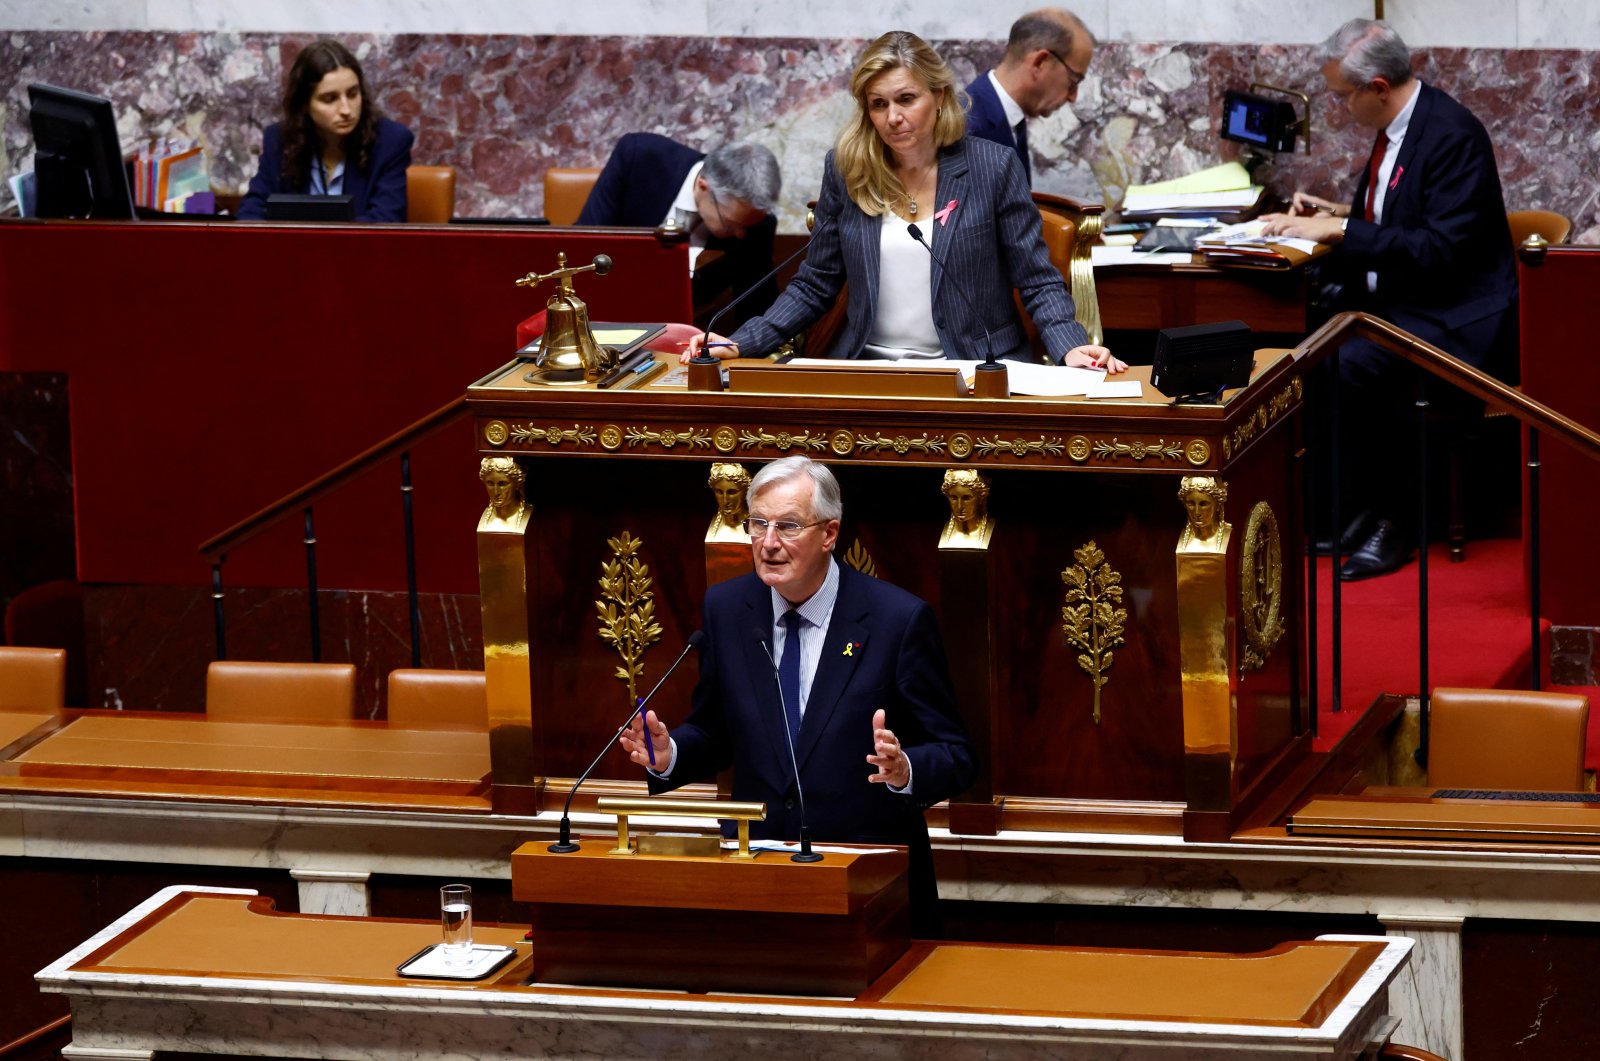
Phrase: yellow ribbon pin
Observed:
(848, 648)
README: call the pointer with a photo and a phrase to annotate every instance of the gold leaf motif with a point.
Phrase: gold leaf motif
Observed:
(527, 434)
(901, 444)
(690, 438)
(858, 558)
(783, 440)
(1091, 615)
(1139, 449)
(1020, 447)
(627, 609)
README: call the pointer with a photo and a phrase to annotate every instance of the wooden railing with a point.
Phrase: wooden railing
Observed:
(1535, 416)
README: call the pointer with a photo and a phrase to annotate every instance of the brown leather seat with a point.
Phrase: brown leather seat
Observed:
(33, 677)
(457, 698)
(241, 689)
(1554, 227)
(430, 194)
(565, 192)
(1507, 739)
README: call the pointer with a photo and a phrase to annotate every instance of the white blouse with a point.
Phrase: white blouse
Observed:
(902, 326)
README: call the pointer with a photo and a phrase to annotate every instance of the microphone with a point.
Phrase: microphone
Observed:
(989, 362)
(565, 846)
(703, 357)
(805, 854)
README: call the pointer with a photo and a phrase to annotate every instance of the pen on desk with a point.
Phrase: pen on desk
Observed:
(629, 364)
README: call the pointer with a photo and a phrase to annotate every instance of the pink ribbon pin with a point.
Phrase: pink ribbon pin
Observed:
(944, 215)
(1398, 170)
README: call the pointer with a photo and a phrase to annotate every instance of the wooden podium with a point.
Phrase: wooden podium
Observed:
(1102, 695)
(763, 925)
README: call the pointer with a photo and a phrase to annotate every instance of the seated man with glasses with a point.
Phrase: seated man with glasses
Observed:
(723, 201)
(1047, 57)
(848, 671)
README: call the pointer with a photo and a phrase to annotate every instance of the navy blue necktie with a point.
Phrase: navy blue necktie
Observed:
(789, 671)
(1021, 129)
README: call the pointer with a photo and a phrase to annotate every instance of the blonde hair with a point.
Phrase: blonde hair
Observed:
(862, 158)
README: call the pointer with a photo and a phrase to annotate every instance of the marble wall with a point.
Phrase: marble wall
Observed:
(502, 108)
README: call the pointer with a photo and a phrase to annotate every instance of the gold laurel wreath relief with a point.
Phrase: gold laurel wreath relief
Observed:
(1092, 616)
(627, 608)
(1260, 588)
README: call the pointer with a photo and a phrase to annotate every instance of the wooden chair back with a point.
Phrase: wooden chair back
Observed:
(430, 194)
(243, 689)
(33, 677)
(422, 697)
(1507, 739)
(565, 192)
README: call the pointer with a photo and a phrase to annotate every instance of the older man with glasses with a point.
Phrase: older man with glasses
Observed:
(1047, 57)
(723, 200)
(809, 658)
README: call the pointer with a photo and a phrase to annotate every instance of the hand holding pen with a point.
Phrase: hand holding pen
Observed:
(716, 345)
(1304, 205)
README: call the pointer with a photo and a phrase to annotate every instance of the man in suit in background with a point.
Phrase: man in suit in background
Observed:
(1047, 57)
(723, 201)
(808, 658)
(1423, 244)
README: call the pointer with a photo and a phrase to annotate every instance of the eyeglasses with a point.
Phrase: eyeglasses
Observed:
(1074, 77)
(787, 529)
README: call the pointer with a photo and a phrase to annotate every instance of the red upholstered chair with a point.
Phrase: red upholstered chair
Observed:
(565, 192)
(241, 689)
(33, 677)
(1507, 739)
(455, 698)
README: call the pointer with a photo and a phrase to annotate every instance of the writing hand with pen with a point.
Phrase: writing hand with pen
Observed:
(716, 345)
(1309, 217)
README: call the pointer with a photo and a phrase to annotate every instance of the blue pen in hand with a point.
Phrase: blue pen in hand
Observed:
(649, 741)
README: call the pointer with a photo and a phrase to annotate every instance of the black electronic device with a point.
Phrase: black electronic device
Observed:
(1196, 363)
(285, 207)
(78, 166)
(1269, 124)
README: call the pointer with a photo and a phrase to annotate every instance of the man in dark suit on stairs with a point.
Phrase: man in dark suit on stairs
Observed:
(1047, 57)
(1423, 244)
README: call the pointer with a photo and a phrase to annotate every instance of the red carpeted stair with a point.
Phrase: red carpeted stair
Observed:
(1479, 635)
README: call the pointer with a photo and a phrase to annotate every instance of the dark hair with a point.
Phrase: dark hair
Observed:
(316, 61)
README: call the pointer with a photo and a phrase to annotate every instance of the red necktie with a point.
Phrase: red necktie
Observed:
(1373, 166)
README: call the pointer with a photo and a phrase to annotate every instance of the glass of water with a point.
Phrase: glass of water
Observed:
(455, 916)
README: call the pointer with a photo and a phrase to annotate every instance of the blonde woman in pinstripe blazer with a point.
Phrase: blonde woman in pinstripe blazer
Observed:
(903, 161)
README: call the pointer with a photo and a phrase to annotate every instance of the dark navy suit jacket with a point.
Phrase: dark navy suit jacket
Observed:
(637, 187)
(990, 244)
(1442, 249)
(882, 649)
(378, 192)
(987, 119)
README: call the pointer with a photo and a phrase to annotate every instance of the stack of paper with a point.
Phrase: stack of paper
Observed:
(1244, 244)
(1223, 191)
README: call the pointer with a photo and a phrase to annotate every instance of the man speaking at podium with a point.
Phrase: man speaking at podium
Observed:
(847, 671)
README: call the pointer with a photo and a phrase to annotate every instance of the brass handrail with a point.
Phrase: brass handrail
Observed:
(1452, 370)
(251, 526)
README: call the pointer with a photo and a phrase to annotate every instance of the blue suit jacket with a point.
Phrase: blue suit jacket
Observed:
(637, 187)
(896, 661)
(1442, 249)
(986, 119)
(990, 244)
(378, 192)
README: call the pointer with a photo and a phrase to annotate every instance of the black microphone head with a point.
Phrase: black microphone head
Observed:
(914, 231)
(696, 638)
(602, 264)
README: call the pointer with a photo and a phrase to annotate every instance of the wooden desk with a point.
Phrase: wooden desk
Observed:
(1412, 814)
(1151, 297)
(247, 980)
(191, 756)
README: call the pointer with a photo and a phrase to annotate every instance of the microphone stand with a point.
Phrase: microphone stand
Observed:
(704, 378)
(805, 854)
(989, 379)
(565, 846)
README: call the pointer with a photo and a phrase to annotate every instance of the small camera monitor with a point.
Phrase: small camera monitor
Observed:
(1256, 120)
(78, 164)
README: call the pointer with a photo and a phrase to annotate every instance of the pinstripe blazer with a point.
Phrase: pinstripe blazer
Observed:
(990, 243)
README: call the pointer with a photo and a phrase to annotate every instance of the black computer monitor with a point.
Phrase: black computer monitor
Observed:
(1257, 120)
(78, 165)
(286, 207)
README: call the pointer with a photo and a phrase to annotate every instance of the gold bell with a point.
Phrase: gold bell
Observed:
(568, 354)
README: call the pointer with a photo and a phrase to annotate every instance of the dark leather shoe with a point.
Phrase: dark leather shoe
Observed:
(1385, 551)
(1356, 531)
